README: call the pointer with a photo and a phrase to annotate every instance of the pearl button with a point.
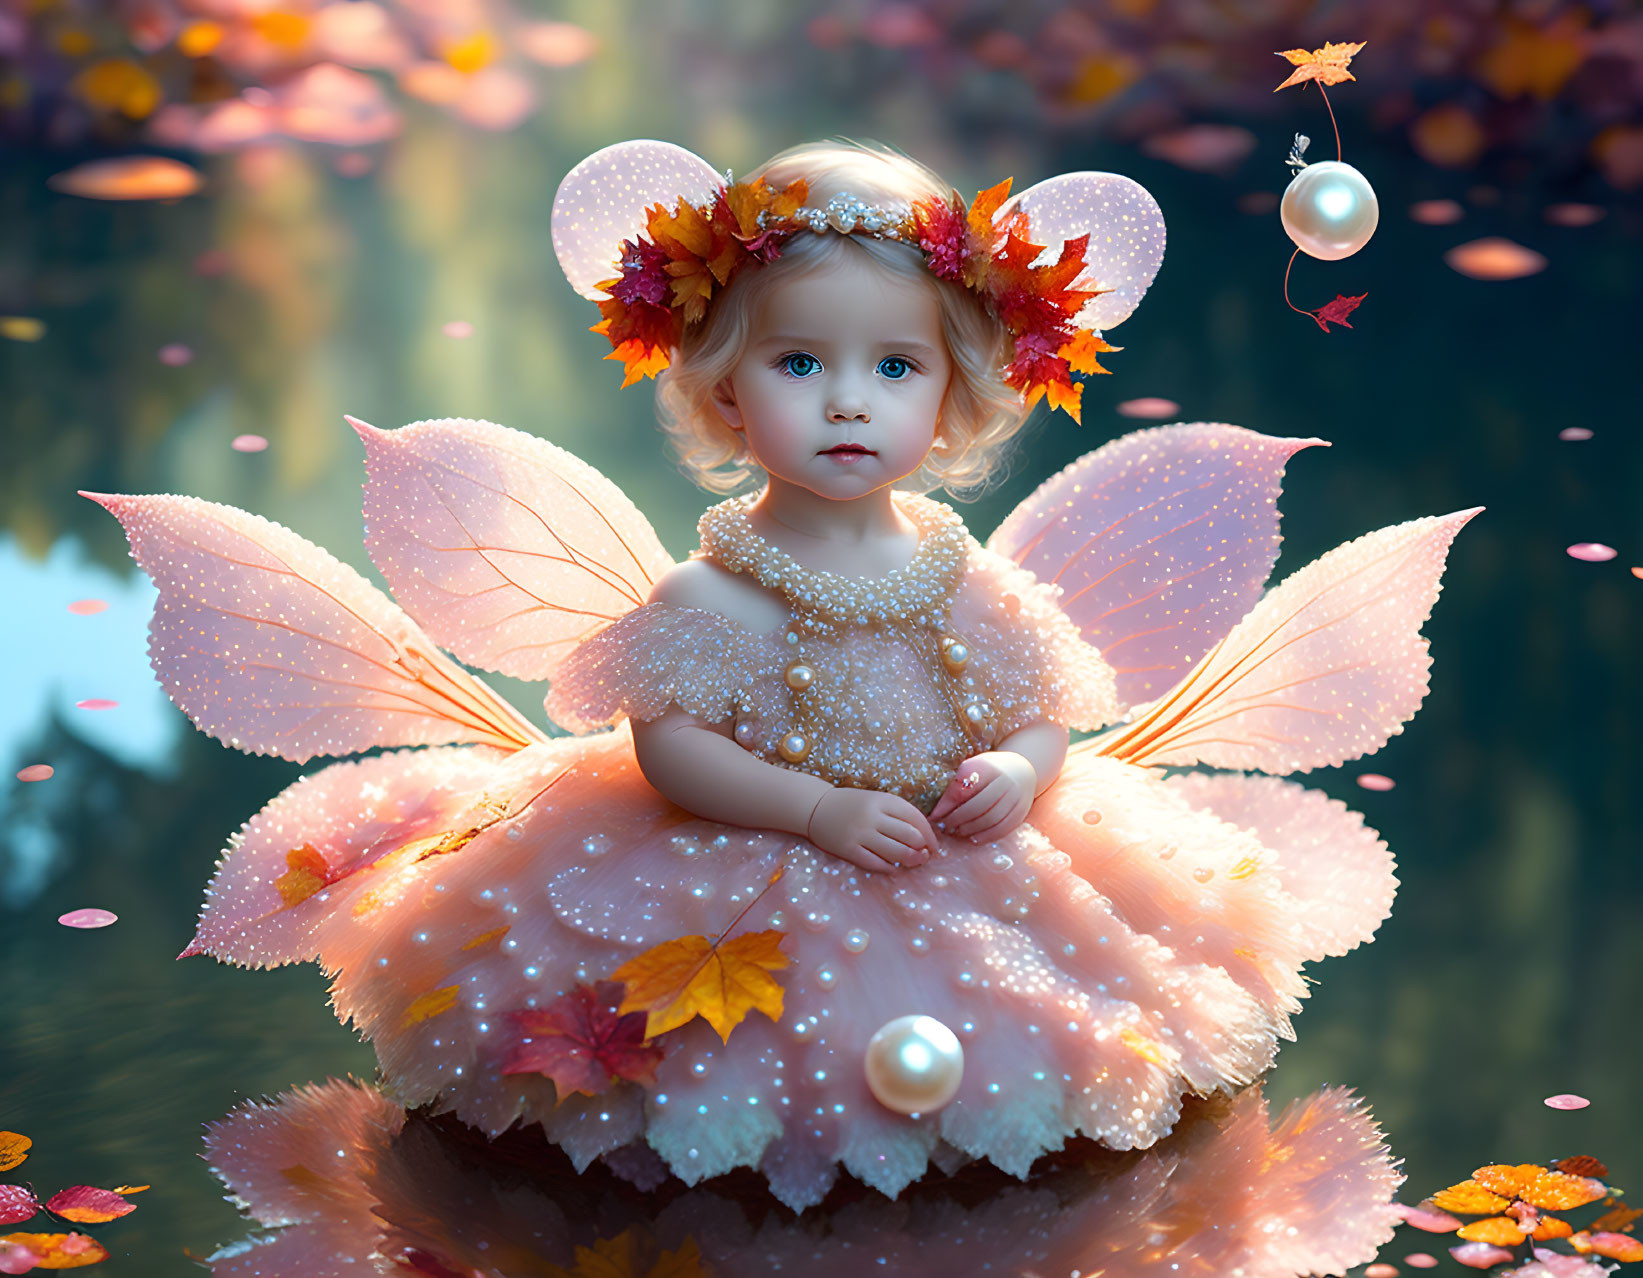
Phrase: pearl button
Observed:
(794, 747)
(799, 676)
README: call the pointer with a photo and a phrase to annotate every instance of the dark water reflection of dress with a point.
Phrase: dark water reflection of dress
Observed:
(358, 1187)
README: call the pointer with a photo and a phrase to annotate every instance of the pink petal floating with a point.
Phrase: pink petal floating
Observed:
(1381, 1270)
(1420, 1260)
(36, 772)
(1430, 1219)
(1148, 406)
(1436, 212)
(248, 443)
(88, 607)
(1574, 214)
(175, 355)
(1567, 1100)
(1375, 781)
(1494, 258)
(1573, 433)
(1480, 1255)
(1204, 148)
(1638, 573)
(17, 1204)
(17, 1259)
(87, 918)
(1593, 552)
(458, 329)
(96, 703)
(556, 44)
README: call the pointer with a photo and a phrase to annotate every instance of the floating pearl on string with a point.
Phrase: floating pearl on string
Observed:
(914, 1065)
(1330, 210)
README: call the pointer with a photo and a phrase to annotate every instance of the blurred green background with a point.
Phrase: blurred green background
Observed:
(318, 267)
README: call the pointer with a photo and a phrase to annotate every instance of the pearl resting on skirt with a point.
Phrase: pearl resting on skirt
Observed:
(1138, 938)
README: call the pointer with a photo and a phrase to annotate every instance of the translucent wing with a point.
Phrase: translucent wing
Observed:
(1326, 667)
(1324, 854)
(1160, 541)
(271, 645)
(509, 550)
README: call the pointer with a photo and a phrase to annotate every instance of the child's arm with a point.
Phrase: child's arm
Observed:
(700, 766)
(992, 792)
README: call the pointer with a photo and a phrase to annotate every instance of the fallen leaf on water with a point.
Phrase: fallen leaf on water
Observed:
(1494, 258)
(1469, 1199)
(129, 1189)
(1327, 65)
(1614, 1220)
(1584, 1165)
(88, 1205)
(1436, 212)
(60, 1251)
(17, 1204)
(583, 1042)
(130, 177)
(14, 1150)
(1498, 1231)
(1622, 1247)
(21, 328)
(1433, 1222)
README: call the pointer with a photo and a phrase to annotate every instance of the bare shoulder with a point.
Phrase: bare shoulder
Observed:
(702, 583)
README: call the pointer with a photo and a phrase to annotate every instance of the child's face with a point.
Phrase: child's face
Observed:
(845, 355)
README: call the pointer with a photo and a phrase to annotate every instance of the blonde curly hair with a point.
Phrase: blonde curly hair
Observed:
(980, 414)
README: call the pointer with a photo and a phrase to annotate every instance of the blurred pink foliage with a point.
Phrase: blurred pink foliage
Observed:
(216, 75)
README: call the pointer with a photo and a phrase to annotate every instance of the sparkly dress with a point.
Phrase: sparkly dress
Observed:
(1137, 938)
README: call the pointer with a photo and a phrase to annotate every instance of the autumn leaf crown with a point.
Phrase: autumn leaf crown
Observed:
(688, 255)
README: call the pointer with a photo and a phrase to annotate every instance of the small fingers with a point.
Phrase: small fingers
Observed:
(986, 818)
(920, 840)
(864, 858)
(974, 806)
(997, 823)
(893, 851)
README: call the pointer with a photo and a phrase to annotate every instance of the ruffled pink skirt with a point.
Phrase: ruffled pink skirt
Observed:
(1136, 940)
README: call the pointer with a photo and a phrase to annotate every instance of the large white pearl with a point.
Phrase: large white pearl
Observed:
(914, 1065)
(1330, 210)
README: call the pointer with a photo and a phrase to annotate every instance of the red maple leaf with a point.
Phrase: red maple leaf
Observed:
(1336, 312)
(582, 1043)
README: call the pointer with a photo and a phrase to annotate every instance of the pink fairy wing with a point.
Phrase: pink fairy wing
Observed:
(1160, 541)
(1323, 853)
(509, 550)
(272, 646)
(1325, 669)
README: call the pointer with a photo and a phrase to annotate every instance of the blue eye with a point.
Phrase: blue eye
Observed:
(895, 368)
(799, 364)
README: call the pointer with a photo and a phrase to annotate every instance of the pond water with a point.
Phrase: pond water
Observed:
(1511, 969)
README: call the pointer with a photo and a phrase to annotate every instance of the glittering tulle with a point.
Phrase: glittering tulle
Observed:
(1120, 949)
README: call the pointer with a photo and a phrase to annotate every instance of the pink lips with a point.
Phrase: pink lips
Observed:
(849, 453)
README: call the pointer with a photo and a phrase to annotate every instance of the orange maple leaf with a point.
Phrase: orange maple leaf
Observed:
(718, 980)
(639, 361)
(1081, 349)
(1327, 65)
(1499, 1230)
(982, 209)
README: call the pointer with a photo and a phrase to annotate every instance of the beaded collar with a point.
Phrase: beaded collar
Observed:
(917, 592)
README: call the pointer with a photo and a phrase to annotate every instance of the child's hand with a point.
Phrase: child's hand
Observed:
(990, 796)
(872, 830)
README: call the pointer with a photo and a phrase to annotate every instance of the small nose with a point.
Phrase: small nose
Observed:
(848, 407)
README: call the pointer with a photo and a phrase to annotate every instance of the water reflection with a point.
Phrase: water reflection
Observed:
(357, 1186)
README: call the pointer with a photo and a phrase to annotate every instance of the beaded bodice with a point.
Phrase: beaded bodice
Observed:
(884, 683)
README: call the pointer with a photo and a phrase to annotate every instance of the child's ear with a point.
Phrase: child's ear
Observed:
(724, 399)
